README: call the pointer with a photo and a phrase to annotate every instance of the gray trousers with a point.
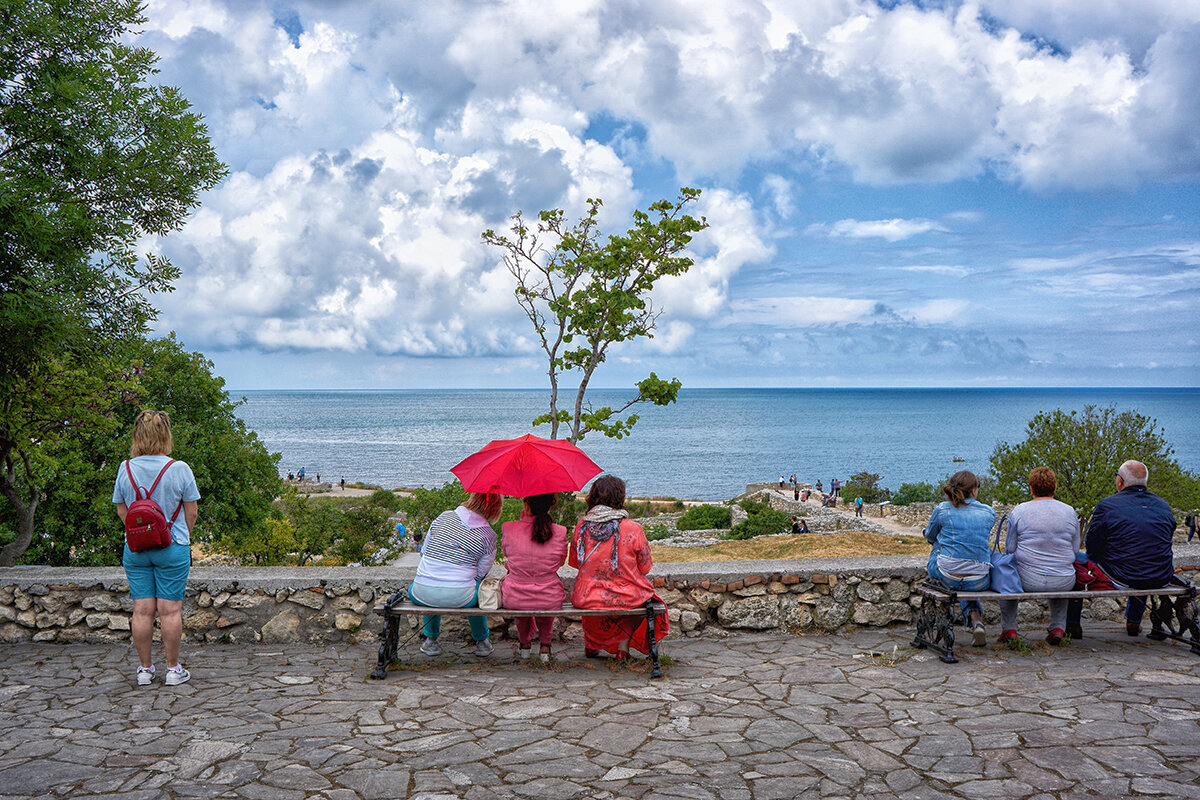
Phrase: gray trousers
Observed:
(1036, 582)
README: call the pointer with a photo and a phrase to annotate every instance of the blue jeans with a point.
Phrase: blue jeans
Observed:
(442, 597)
(981, 584)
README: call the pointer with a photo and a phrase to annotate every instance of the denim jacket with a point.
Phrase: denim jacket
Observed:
(963, 531)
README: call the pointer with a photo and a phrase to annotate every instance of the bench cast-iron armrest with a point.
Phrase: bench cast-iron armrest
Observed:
(395, 608)
(1173, 612)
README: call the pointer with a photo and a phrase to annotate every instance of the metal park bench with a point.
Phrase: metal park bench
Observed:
(1172, 612)
(396, 607)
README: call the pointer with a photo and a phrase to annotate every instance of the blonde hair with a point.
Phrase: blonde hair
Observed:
(485, 505)
(151, 434)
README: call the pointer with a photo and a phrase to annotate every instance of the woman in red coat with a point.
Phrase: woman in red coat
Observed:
(612, 556)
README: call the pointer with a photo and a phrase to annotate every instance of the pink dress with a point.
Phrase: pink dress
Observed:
(532, 581)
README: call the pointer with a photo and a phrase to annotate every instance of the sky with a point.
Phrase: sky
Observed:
(898, 194)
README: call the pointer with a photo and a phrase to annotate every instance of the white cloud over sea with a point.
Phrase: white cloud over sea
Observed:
(938, 192)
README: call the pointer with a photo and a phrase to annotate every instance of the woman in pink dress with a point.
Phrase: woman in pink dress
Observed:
(534, 548)
(612, 556)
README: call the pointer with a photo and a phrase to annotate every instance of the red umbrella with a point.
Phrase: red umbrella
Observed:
(526, 466)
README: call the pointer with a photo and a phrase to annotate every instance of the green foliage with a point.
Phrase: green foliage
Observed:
(568, 510)
(93, 158)
(425, 504)
(314, 524)
(763, 522)
(237, 477)
(909, 493)
(365, 535)
(273, 541)
(583, 294)
(1085, 449)
(753, 507)
(700, 518)
(386, 500)
(657, 532)
(864, 485)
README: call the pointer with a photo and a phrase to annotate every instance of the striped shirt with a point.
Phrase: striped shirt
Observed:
(459, 549)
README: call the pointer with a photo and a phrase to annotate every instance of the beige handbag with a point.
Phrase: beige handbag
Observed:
(489, 594)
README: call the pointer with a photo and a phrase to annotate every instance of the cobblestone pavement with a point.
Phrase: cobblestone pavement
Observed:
(745, 716)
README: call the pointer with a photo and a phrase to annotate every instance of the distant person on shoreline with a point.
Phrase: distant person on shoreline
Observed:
(820, 488)
(1190, 524)
(858, 506)
(959, 530)
(805, 495)
(781, 481)
(795, 491)
(342, 484)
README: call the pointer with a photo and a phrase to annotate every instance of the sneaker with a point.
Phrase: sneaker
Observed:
(980, 634)
(1055, 636)
(1133, 628)
(544, 658)
(483, 648)
(430, 647)
(523, 653)
(1006, 636)
(177, 676)
(145, 675)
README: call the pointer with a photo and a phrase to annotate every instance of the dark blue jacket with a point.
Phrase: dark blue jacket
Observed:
(1130, 538)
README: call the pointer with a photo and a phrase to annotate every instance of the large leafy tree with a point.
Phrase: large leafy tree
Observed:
(93, 156)
(238, 478)
(1085, 449)
(584, 293)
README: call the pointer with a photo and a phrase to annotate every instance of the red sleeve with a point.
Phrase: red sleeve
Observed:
(572, 553)
(640, 547)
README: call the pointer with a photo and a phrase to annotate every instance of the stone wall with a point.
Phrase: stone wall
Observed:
(329, 605)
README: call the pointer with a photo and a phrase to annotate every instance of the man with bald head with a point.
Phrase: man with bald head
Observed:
(1130, 539)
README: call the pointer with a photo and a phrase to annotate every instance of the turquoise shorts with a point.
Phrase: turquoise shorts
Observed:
(160, 574)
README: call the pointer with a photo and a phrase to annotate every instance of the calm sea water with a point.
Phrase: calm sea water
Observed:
(707, 446)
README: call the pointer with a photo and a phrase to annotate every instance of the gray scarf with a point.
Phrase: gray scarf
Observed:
(600, 524)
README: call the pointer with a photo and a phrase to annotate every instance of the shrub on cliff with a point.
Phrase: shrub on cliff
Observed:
(703, 518)
(864, 485)
(763, 522)
(909, 493)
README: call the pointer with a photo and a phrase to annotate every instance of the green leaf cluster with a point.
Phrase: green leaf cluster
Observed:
(920, 492)
(762, 521)
(1085, 448)
(706, 517)
(864, 485)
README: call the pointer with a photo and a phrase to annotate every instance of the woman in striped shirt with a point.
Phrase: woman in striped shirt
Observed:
(457, 553)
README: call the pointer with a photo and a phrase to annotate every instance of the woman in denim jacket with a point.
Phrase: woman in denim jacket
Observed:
(959, 530)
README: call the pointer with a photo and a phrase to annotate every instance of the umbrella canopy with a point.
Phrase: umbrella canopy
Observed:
(526, 466)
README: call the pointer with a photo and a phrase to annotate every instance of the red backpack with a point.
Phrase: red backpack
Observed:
(146, 527)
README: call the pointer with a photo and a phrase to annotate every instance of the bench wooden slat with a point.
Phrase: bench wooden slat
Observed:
(929, 591)
(470, 611)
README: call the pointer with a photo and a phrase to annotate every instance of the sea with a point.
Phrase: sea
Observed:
(706, 446)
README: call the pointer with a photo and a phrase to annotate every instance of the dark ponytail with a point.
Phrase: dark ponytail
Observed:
(958, 489)
(540, 506)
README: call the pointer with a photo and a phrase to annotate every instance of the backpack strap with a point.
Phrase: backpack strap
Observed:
(138, 491)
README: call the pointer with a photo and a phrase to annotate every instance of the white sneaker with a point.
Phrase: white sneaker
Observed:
(177, 676)
(145, 675)
(430, 647)
(483, 648)
(545, 657)
(523, 653)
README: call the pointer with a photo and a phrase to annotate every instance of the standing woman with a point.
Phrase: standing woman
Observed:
(157, 578)
(959, 530)
(612, 556)
(1044, 533)
(534, 548)
(458, 551)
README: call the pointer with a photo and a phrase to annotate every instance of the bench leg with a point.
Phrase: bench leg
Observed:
(1165, 612)
(935, 628)
(652, 642)
(389, 637)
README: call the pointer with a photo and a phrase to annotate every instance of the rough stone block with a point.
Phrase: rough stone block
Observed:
(660, 582)
(28, 618)
(221, 599)
(671, 596)
(755, 613)
(45, 620)
(820, 579)
(241, 600)
(200, 619)
(75, 615)
(830, 614)
(37, 590)
(366, 594)
(751, 591)
(45, 636)
(879, 614)
(733, 587)
(347, 622)
(869, 592)
(689, 620)
(11, 633)
(308, 598)
(100, 602)
(283, 627)
(348, 602)
(22, 601)
(118, 622)
(95, 621)
(777, 587)
(789, 580)
(751, 580)
(706, 599)
(7, 613)
(204, 600)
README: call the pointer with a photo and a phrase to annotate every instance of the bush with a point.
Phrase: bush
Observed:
(702, 518)
(764, 522)
(656, 532)
(753, 507)
(909, 493)
(864, 485)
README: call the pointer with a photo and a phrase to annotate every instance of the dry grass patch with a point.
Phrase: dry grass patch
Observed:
(803, 545)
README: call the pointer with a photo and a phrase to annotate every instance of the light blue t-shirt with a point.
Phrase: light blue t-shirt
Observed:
(178, 484)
